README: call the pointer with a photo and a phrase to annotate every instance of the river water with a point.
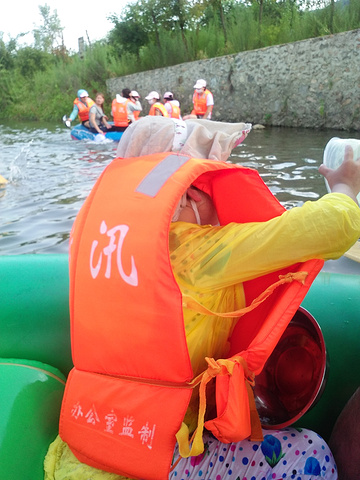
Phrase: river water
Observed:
(50, 175)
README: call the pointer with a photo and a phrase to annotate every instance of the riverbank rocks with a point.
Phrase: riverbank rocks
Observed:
(312, 83)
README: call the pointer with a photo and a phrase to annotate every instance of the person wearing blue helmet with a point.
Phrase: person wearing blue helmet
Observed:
(82, 105)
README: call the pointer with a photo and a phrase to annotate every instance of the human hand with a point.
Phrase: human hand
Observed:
(189, 116)
(346, 178)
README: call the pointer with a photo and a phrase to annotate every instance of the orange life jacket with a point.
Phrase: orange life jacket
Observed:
(175, 110)
(132, 380)
(120, 114)
(159, 106)
(199, 101)
(84, 109)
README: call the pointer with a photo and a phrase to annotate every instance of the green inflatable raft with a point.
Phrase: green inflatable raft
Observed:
(35, 355)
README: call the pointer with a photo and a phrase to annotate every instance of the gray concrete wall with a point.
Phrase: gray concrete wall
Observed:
(312, 83)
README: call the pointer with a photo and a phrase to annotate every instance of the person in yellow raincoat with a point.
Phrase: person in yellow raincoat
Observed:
(323, 229)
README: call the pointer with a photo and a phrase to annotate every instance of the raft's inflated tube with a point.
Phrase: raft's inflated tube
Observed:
(334, 301)
(30, 401)
(34, 324)
(34, 309)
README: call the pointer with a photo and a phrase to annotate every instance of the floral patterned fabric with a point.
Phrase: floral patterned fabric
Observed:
(291, 454)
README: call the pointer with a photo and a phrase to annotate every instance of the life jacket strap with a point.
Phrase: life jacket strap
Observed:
(192, 304)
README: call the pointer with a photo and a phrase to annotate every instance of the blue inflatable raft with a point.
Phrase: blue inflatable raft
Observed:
(79, 132)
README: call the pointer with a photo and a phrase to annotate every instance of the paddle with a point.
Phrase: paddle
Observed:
(66, 121)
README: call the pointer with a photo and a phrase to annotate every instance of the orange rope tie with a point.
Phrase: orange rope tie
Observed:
(216, 367)
(191, 303)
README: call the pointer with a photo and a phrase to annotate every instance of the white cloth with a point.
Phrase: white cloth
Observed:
(120, 99)
(196, 138)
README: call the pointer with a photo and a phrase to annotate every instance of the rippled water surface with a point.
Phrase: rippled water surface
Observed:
(50, 175)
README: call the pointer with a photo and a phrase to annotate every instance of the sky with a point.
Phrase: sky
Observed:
(76, 16)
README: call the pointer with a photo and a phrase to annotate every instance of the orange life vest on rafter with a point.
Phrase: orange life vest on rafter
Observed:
(175, 110)
(159, 106)
(84, 109)
(120, 114)
(199, 101)
(128, 392)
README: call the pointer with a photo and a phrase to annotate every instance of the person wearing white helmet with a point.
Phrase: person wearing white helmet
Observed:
(122, 109)
(203, 101)
(134, 106)
(171, 105)
(156, 107)
(82, 105)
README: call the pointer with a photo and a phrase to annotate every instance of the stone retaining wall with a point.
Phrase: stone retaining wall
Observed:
(312, 83)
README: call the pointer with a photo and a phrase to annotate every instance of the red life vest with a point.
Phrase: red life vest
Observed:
(120, 114)
(159, 106)
(84, 109)
(128, 392)
(199, 101)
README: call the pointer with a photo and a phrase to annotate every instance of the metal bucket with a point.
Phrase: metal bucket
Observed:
(294, 375)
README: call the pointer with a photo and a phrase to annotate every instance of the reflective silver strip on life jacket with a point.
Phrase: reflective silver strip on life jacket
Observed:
(159, 175)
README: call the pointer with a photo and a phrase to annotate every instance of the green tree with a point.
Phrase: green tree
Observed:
(49, 36)
(129, 33)
(6, 53)
(29, 60)
(214, 11)
(142, 23)
(181, 16)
